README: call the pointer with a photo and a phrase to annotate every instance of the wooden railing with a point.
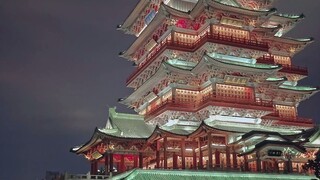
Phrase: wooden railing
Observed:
(294, 69)
(197, 105)
(266, 59)
(295, 119)
(285, 68)
(183, 46)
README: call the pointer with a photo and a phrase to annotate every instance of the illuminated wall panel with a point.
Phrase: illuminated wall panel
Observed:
(284, 60)
(237, 33)
(286, 111)
(185, 38)
(234, 92)
(206, 91)
(186, 95)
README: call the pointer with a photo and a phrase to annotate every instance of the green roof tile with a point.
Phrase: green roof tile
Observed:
(138, 174)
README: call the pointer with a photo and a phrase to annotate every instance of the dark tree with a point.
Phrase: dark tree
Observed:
(314, 164)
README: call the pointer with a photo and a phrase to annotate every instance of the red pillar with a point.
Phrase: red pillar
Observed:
(111, 162)
(175, 161)
(158, 159)
(258, 164)
(106, 163)
(234, 159)
(122, 167)
(209, 165)
(158, 155)
(228, 160)
(246, 164)
(94, 167)
(135, 161)
(140, 160)
(276, 165)
(194, 154)
(217, 157)
(200, 155)
(165, 158)
(183, 157)
(289, 165)
(264, 166)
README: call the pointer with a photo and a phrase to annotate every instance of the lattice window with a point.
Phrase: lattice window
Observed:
(206, 91)
(234, 92)
(186, 95)
(230, 32)
(185, 38)
(286, 111)
(284, 60)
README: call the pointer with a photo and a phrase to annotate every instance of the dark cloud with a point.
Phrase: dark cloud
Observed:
(59, 72)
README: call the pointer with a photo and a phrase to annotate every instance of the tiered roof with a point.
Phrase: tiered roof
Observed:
(120, 127)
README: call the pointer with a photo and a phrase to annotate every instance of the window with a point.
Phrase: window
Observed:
(234, 92)
(230, 32)
(286, 111)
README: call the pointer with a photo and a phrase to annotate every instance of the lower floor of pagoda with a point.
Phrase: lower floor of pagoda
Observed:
(220, 161)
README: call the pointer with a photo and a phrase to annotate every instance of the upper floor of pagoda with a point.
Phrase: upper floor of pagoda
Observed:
(260, 13)
(243, 24)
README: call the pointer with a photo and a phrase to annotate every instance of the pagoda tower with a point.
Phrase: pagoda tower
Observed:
(214, 88)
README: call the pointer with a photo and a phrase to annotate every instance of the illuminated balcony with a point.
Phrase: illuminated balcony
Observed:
(285, 68)
(191, 47)
(213, 100)
(294, 69)
(266, 59)
(289, 120)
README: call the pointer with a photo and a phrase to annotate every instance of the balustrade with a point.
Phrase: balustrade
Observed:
(294, 69)
(269, 59)
(278, 116)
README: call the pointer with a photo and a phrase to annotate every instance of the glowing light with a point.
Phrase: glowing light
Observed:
(96, 155)
(234, 119)
(75, 148)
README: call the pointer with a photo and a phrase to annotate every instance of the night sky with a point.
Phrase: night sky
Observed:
(60, 71)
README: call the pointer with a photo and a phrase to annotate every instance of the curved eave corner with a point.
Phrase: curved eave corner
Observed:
(133, 15)
(81, 148)
(300, 89)
(293, 17)
(300, 40)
